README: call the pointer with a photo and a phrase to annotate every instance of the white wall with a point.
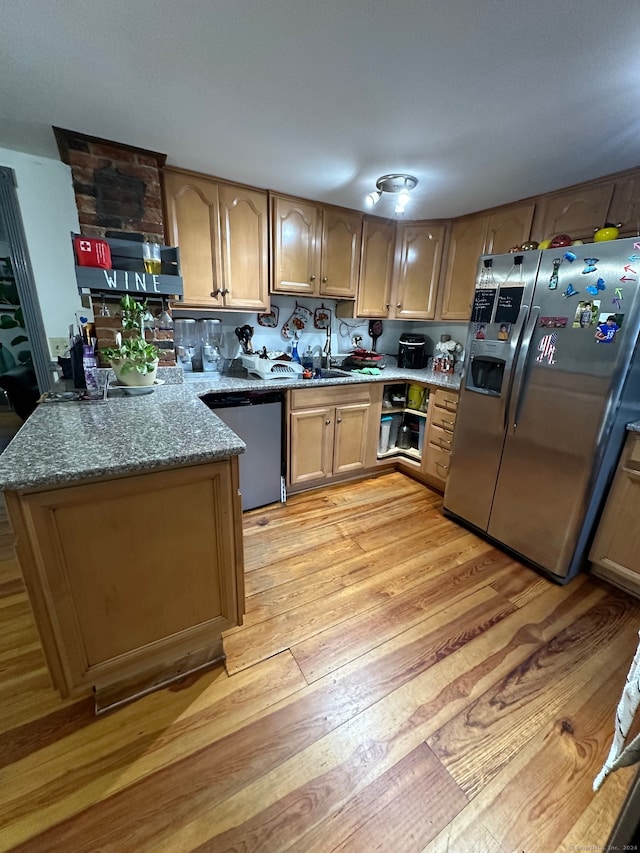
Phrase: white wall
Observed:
(49, 215)
(342, 330)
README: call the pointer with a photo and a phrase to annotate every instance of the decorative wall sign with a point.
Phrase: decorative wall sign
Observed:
(127, 281)
(509, 302)
(483, 305)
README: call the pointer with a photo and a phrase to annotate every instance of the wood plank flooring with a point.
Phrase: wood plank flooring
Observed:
(398, 685)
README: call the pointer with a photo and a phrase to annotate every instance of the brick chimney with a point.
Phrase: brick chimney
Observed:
(117, 187)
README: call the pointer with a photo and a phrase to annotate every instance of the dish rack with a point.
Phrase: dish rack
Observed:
(267, 368)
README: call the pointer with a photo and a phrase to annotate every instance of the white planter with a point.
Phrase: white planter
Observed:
(133, 378)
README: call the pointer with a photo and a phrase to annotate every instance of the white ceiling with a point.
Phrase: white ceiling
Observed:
(484, 101)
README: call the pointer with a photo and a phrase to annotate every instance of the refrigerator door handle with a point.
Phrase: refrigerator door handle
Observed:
(514, 349)
(522, 358)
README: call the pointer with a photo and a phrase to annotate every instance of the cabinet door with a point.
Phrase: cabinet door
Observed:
(119, 611)
(467, 244)
(625, 205)
(351, 436)
(296, 244)
(193, 225)
(419, 262)
(576, 213)
(311, 444)
(616, 547)
(341, 244)
(507, 228)
(376, 268)
(244, 242)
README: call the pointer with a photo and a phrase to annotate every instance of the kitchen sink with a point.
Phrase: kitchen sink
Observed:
(335, 374)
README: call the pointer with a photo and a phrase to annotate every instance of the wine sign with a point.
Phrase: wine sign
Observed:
(126, 281)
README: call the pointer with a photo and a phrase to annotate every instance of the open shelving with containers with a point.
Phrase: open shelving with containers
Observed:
(429, 412)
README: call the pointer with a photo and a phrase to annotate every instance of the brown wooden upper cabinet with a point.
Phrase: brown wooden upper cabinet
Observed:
(577, 213)
(315, 248)
(418, 263)
(400, 269)
(473, 236)
(222, 232)
(376, 268)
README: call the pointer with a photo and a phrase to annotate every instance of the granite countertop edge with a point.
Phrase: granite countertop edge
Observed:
(65, 443)
(634, 426)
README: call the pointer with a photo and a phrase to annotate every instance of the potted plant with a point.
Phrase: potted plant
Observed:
(133, 359)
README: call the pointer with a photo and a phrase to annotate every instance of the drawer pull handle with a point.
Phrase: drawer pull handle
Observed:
(442, 441)
(449, 424)
(440, 465)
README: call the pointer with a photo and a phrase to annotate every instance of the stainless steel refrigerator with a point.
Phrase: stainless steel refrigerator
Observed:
(552, 378)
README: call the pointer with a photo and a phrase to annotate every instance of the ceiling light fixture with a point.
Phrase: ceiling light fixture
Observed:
(400, 185)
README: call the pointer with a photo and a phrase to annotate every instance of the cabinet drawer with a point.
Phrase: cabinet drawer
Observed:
(443, 419)
(440, 437)
(445, 399)
(437, 462)
(332, 395)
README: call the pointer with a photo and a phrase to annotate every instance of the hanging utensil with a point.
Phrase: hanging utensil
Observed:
(375, 330)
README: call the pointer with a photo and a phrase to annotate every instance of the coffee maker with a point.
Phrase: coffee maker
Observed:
(412, 352)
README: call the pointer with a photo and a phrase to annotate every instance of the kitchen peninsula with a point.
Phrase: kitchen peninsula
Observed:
(128, 526)
(129, 531)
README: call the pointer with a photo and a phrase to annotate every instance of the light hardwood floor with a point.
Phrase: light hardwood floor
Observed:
(398, 685)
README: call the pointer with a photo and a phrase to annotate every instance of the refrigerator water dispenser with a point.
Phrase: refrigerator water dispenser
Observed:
(486, 374)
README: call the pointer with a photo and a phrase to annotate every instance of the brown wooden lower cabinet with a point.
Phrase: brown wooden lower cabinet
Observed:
(615, 553)
(132, 580)
(328, 433)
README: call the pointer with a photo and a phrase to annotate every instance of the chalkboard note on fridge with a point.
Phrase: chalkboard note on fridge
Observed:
(483, 305)
(509, 302)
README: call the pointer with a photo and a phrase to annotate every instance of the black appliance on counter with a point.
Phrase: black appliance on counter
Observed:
(412, 352)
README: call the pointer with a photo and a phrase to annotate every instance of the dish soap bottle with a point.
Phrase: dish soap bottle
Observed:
(294, 352)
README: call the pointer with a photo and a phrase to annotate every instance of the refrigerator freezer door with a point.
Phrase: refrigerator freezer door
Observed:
(560, 422)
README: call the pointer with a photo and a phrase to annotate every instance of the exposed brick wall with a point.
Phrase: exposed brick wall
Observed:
(117, 187)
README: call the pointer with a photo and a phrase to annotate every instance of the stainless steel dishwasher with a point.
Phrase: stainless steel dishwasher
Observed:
(255, 416)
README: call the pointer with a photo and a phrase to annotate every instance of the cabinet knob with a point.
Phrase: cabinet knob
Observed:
(399, 305)
(312, 278)
(324, 278)
(327, 422)
(388, 305)
(339, 420)
(225, 291)
(215, 293)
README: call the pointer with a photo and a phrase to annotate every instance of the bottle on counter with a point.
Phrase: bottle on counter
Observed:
(294, 353)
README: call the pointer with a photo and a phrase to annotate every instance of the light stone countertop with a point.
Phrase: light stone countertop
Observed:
(68, 442)
(633, 427)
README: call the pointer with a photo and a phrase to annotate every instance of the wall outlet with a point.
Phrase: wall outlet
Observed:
(58, 346)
